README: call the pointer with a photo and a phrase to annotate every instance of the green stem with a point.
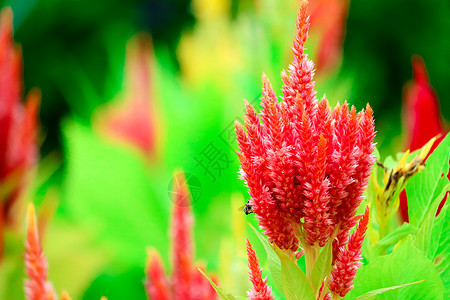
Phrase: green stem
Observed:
(382, 229)
(311, 254)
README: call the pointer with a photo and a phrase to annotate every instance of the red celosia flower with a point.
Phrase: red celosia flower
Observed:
(422, 118)
(306, 166)
(36, 286)
(348, 260)
(187, 282)
(260, 290)
(18, 123)
(132, 121)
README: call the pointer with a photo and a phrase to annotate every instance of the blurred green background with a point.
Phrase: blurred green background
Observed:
(107, 199)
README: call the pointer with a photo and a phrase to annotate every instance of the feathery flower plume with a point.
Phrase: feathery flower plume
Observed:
(260, 290)
(18, 124)
(132, 121)
(187, 282)
(36, 286)
(306, 165)
(348, 260)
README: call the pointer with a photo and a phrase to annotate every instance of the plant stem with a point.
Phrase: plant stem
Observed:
(311, 253)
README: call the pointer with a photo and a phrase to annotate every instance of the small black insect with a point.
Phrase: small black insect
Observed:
(248, 209)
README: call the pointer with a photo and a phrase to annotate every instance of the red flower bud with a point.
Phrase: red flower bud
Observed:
(36, 286)
(348, 260)
(156, 284)
(18, 124)
(186, 282)
(260, 290)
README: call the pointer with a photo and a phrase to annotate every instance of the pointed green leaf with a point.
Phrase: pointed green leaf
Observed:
(423, 187)
(106, 186)
(295, 284)
(273, 260)
(393, 238)
(218, 290)
(323, 265)
(423, 237)
(439, 246)
(372, 294)
(390, 162)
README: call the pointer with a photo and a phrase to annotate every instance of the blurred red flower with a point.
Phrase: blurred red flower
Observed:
(18, 123)
(186, 282)
(328, 18)
(36, 286)
(133, 119)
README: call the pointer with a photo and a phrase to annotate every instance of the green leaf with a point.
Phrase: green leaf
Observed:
(273, 260)
(218, 290)
(439, 246)
(372, 294)
(295, 284)
(323, 265)
(423, 186)
(442, 184)
(390, 162)
(107, 188)
(406, 264)
(423, 237)
(393, 238)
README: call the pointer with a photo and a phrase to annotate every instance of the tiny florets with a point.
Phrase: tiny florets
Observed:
(306, 165)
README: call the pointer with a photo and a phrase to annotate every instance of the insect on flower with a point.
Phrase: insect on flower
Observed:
(247, 208)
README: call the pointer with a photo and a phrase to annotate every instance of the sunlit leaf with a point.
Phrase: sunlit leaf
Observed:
(323, 265)
(423, 237)
(219, 291)
(295, 284)
(394, 237)
(372, 294)
(423, 187)
(405, 265)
